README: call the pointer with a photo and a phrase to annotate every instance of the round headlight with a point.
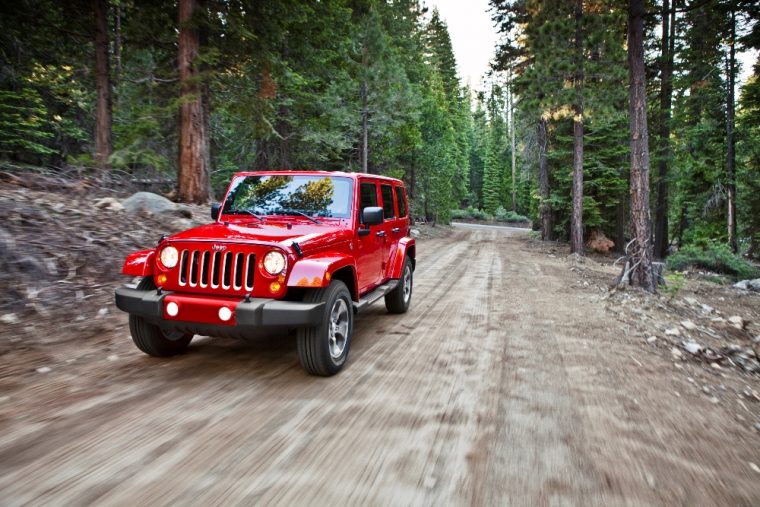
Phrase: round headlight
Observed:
(274, 262)
(169, 257)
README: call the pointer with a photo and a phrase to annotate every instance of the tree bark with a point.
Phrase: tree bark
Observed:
(730, 141)
(661, 240)
(544, 208)
(640, 255)
(576, 220)
(103, 145)
(117, 43)
(193, 178)
(365, 113)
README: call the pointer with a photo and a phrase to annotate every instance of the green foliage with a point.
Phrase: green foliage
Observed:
(497, 155)
(503, 215)
(674, 282)
(538, 48)
(715, 257)
(471, 214)
(289, 85)
(23, 124)
(500, 215)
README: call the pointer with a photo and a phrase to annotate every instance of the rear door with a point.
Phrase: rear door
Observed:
(402, 211)
(391, 226)
(370, 242)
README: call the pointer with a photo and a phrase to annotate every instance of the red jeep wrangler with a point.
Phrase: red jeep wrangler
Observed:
(288, 249)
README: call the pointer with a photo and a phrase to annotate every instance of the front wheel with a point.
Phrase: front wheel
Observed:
(152, 339)
(397, 300)
(323, 349)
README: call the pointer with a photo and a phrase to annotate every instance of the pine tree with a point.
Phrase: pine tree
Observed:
(103, 145)
(640, 257)
(193, 182)
(494, 166)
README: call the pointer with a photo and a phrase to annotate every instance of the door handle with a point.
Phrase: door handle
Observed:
(380, 234)
(396, 230)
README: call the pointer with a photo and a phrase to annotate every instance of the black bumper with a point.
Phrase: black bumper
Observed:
(250, 315)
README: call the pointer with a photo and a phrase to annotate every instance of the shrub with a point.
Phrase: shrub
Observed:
(713, 257)
(503, 215)
(479, 214)
(500, 215)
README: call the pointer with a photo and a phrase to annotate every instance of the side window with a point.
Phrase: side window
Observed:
(388, 209)
(400, 201)
(367, 198)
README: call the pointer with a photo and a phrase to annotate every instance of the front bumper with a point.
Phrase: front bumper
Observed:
(200, 314)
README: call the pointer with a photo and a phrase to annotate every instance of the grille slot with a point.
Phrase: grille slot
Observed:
(204, 269)
(249, 271)
(226, 270)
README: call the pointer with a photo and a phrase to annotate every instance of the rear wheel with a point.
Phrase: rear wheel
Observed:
(397, 300)
(323, 349)
(152, 339)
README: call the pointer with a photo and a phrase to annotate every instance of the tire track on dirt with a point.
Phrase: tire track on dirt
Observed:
(501, 386)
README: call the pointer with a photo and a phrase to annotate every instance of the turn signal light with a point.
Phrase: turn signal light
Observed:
(161, 279)
(274, 287)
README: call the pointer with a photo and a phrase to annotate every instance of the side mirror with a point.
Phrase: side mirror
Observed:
(215, 209)
(373, 215)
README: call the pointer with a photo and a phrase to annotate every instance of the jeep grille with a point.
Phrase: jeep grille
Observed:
(209, 268)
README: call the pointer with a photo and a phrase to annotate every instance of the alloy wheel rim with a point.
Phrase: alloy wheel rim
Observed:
(337, 335)
(407, 284)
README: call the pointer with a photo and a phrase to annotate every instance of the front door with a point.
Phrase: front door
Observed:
(369, 255)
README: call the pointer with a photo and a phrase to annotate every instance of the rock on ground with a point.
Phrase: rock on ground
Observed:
(154, 204)
(753, 285)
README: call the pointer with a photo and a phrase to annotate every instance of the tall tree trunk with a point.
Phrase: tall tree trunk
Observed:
(193, 178)
(730, 142)
(544, 209)
(117, 43)
(365, 113)
(640, 255)
(365, 129)
(512, 136)
(576, 220)
(666, 99)
(103, 146)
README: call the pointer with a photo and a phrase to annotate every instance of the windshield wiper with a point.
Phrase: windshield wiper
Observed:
(239, 211)
(295, 211)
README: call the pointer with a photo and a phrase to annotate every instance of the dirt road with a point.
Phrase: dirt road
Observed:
(503, 385)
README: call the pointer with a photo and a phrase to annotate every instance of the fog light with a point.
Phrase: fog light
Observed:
(225, 313)
(274, 287)
(161, 280)
(172, 308)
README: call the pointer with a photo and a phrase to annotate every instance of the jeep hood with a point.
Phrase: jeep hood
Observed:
(305, 235)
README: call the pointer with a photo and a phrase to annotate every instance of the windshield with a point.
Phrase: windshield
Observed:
(323, 196)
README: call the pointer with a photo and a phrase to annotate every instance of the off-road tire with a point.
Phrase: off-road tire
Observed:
(314, 343)
(398, 300)
(150, 338)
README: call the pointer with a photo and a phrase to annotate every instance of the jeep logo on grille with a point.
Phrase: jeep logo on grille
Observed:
(219, 248)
